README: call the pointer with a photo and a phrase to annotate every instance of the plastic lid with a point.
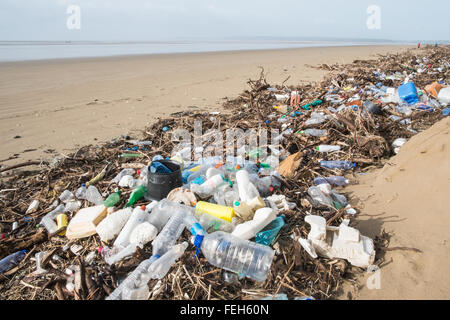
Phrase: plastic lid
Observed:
(317, 148)
(237, 203)
(119, 192)
(138, 172)
(83, 185)
(354, 165)
(143, 207)
(23, 251)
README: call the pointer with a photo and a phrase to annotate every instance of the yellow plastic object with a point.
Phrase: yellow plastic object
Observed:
(218, 211)
(179, 160)
(62, 221)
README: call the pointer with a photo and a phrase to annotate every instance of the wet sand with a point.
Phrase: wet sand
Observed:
(59, 105)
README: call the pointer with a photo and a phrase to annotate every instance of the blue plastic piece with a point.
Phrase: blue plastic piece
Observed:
(408, 93)
(446, 112)
(268, 235)
(198, 180)
(158, 167)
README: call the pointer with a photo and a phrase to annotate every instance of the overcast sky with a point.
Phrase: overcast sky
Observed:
(141, 20)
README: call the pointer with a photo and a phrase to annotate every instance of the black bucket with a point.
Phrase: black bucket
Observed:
(160, 184)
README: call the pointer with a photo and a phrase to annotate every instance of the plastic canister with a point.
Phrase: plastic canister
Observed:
(221, 212)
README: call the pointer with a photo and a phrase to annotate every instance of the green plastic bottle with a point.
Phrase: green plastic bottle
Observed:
(112, 200)
(137, 194)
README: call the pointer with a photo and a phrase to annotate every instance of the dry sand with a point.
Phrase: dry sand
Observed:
(409, 198)
(62, 104)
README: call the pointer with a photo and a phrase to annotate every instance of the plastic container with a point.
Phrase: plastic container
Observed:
(408, 93)
(48, 221)
(66, 196)
(94, 196)
(338, 164)
(270, 232)
(121, 174)
(160, 184)
(336, 180)
(162, 212)
(208, 188)
(11, 261)
(113, 199)
(327, 148)
(444, 96)
(261, 219)
(136, 195)
(137, 217)
(314, 133)
(170, 233)
(110, 227)
(320, 198)
(242, 210)
(221, 212)
(247, 190)
(81, 192)
(137, 279)
(226, 251)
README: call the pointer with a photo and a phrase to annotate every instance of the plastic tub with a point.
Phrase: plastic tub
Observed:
(160, 184)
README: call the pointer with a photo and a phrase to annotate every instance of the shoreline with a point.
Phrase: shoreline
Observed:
(309, 45)
(66, 103)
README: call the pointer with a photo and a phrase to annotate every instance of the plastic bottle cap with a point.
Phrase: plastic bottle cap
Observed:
(100, 249)
(238, 167)
(138, 172)
(119, 192)
(143, 207)
(23, 251)
(83, 185)
(271, 189)
(317, 148)
(237, 203)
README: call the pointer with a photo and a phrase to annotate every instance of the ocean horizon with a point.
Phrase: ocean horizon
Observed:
(11, 51)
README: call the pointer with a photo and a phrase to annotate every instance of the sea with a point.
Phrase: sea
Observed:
(48, 50)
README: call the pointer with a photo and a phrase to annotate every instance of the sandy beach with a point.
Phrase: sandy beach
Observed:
(58, 105)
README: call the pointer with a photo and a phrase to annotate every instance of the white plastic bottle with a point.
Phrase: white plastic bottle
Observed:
(249, 229)
(208, 188)
(328, 148)
(247, 190)
(226, 251)
(110, 227)
(137, 217)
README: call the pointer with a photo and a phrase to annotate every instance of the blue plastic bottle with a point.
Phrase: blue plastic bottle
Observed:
(158, 167)
(12, 260)
(338, 164)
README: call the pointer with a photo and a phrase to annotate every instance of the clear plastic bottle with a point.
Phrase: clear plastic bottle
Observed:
(162, 212)
(208, 188)
(338, 164)
(48, 221)
(81, 192)
(109, 227)
(66, 196)
(137, 278)
(319, 197)
(12, 260)
(121, 174)
(161, 267)
(94, 196)
(314, 133)
(137, 217)
(336, 180)
(169, 234)
(225, 251)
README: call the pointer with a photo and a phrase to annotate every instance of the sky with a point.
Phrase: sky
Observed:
(147, 20)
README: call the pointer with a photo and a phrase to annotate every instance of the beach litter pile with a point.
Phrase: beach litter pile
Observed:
(139, 219)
